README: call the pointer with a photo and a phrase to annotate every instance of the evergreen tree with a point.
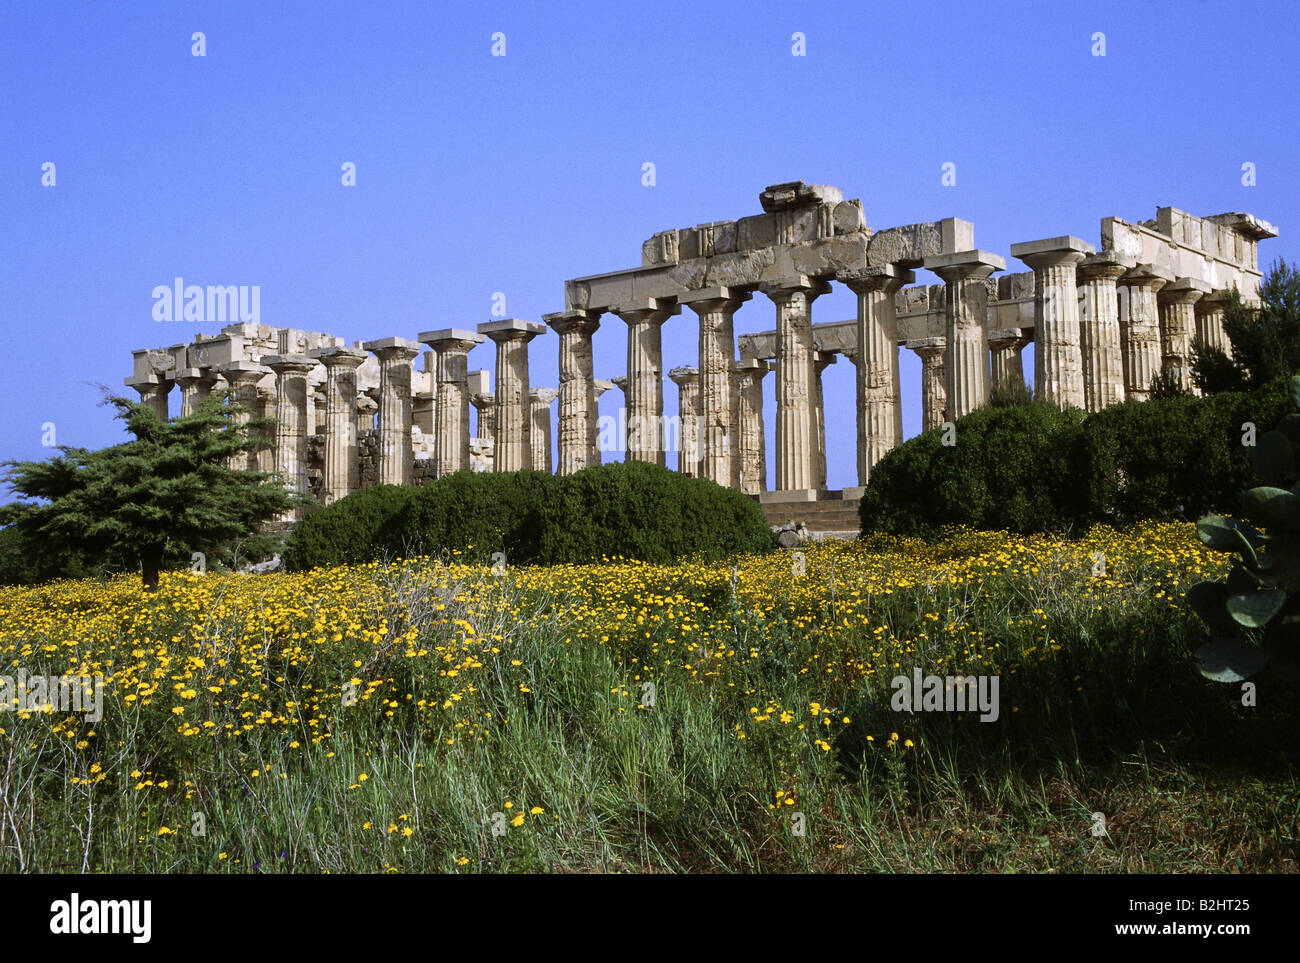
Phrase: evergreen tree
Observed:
(165, 494)
(1265, 338)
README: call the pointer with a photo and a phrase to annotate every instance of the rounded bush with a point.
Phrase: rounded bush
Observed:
(364, 526)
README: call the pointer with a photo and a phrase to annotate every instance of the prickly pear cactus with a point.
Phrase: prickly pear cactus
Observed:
(1254, 616)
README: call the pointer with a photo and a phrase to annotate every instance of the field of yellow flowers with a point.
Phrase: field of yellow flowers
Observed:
(435, 716)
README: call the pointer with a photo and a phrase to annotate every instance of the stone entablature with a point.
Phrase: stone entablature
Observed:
(1104, 320)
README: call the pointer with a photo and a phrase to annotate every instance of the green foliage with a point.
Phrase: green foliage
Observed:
(1166, 385)
(152, 500)
(634, 510)
(1265, 339)
(1173, 458)
(1012, 393)
(359, 528)
(1017, 469)
(1253, 617)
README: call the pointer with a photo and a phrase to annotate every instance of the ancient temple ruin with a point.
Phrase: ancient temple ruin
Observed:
(1105, 319)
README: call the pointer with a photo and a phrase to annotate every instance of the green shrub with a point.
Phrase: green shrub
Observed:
(1175, 458)
(635, 510)
(1018, 469)
(365, 525)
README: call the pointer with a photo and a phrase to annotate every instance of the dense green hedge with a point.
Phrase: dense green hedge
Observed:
(1031, 468)
(1017, 469)
(634, 510)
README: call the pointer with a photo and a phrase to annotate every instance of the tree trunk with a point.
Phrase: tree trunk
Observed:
(149, 565)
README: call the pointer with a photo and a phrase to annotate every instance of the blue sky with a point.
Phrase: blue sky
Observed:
(478, 174)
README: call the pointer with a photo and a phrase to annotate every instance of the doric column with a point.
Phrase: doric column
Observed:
(934, 380)
(576, 418)
(451, 399)
(716, 308)
(342, 474)
(153, 392)
(1099, 338)
(1139, 327)
(1209, 320)
(1058, 360)
(1177, 303)
(879, 401)
(751, 460)
(687, 379)
(395, 457)
(1005, 346)
(796, 441)
(243, 376)
(512, 447)
(485, 405)
(645, 382)
(821, 360)
(291, 421)
(541, 399)
(966, 365)
(191, 381)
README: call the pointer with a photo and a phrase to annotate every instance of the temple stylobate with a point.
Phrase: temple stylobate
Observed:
(1105, 319)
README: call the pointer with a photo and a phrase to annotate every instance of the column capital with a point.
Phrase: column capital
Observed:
(821, 359)
(641, 310)
(927, 347)
(1051, 251)
(782, 289)
(599, 386)
(283, 364)
(876, 277)
(187, 377)
(1147, 275)
(712, 299)
(511, 330)
(544, 396)
(1104, 264)
(619, 382)
(745, 366)
(483, 399)
(973, 265)
(579, 319)
(401, 349)
(450, 339)
(146, 382)
(1008, 338)
(338, 357)
(243, 372)
(1183, 290)
(684, 375)
(1214, 300)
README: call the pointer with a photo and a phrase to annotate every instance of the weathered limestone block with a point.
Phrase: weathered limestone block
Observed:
(796, 445)
(1099, 330)
(1139, 327)
(451, 347)
(577, 414)
(909, 245)
(1058, 359)
(967, 362)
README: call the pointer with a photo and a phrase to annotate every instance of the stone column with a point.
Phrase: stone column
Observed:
(485, 404)
(598, 387)
(451, 399)
(645, 382)
(1209, 320)
(153, 393)
(191, 381)
(342, 473)
(243, 376)
(751, 460)
(395, 457)
(291, 422)
(1139, 327)
(934, 380)
(1099, 338)
(576, 419)
(879, 401)
(966, 366)
(512, 447)
(541, 399)
(796, 442)
(1005, 346)
(1058, 360)
(821, 360)
(1177, 304)
(716, 308)
(687, 380)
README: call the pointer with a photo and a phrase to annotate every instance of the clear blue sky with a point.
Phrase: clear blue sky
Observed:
(478, 174)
